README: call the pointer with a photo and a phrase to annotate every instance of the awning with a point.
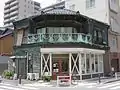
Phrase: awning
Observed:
(13, 57)
(71, 50)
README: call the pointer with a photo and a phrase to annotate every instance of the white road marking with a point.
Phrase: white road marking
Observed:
(108, 86)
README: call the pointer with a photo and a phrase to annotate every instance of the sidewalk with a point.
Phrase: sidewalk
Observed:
(16, 82)
(103, 80)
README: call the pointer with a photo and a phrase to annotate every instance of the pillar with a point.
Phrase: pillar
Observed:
(70, 54)
(80, 68)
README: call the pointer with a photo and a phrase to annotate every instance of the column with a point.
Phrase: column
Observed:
(27, 62)
(80, 68)
(102, 63)
(41, 64)
(98, 56)
(50, 64)
(94, 65)
(85, 62)
(70, 54)
(90, 64)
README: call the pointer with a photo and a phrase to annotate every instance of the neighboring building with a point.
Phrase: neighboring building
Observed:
(4, 63)
(107, 11)
(58, 4)
(60, 42)
(19, 9)
(6, 42)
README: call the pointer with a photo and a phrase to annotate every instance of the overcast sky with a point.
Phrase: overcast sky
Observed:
(44, 3)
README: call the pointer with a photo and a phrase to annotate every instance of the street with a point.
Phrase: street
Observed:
(82, 86)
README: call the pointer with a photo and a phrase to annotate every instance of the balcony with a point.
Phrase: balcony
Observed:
(6, 20)
(58, 38)
(14, 8)
(13, 13)
(6, 16)
(14, 3)
(6, 11)
(6, 6)
(13, 18)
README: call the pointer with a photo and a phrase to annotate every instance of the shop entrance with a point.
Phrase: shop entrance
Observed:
(60, 65)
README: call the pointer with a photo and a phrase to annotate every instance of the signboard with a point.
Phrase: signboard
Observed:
(63, 80)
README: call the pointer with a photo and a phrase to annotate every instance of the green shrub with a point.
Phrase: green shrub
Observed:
(47, 78)
(7, 74)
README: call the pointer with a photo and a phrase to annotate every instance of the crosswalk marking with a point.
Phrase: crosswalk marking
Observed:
(36, 86)
(2, 89)
(117, 87)
(9, 87)
(29, 88)
(12, 88)
(109, 85)
(88, 85)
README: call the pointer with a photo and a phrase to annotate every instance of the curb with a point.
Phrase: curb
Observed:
(111, 81)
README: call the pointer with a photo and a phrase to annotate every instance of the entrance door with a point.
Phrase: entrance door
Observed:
(60, 65)
(21, 68)
(115, 64)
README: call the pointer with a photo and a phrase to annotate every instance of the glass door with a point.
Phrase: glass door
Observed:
(60, 65)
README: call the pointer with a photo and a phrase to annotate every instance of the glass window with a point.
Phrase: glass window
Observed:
(104, 37)
(50, 30)
(75, 68)
(83, 63)
(59, 29)
(95, 35)
(88, 63)
(100, 63)
(90, 4)
(114, 41)
(41, 30)
(96, 63)
(92, 62)
(68, 30)
(100, 34)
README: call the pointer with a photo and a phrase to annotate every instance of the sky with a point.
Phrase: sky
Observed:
(44, 3)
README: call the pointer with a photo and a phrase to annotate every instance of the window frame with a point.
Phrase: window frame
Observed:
(90, 4)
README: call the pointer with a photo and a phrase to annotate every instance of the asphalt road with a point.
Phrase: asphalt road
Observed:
(46, 86)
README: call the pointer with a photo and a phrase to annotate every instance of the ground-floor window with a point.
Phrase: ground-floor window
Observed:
(74, 63)
(91, 63)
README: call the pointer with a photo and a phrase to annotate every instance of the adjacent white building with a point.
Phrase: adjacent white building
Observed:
(107, 11)
(103, 10)
(18, 9)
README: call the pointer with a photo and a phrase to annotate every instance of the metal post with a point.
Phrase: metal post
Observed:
(99, 78)
(27, 61)
(115, 75)
(19, 79)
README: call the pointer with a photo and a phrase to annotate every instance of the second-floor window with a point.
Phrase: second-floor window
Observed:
(114, 42)
(72, 7)
(90, 4)
(99, 36)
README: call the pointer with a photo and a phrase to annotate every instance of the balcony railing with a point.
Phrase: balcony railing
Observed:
(58, 38)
